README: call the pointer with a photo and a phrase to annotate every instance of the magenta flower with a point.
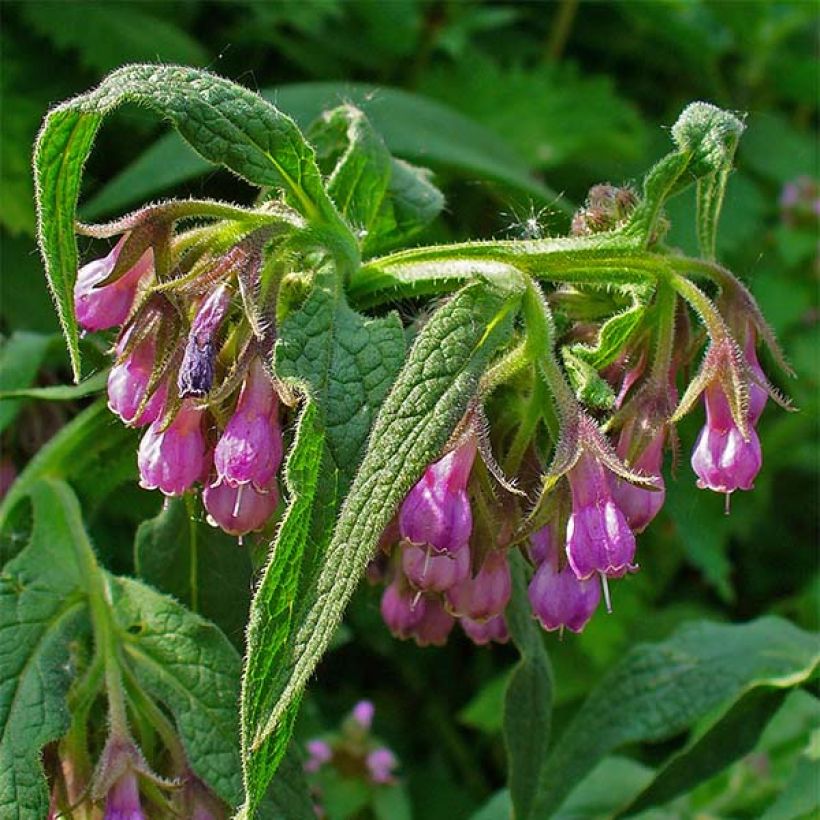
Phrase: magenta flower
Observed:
(437, 510)
(240, 510)
(598, 537)
(250, 448)
(363, 713)
(640, 504)
(487, 594)
(319, 753)
(557, 597)
(123, 799)
(435, 624)
(758, 394)
(196, 373)
(380, 764)
(402, 608)
(174, 458)
(722, 459)
(433, 572)
(128, 381)
(484, 632)
(98, 308)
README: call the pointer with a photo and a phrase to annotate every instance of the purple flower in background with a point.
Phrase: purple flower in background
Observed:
(599, 539)
(240, 510)
(99, 308)
(319, 753)
(487, 594)
(437, 511)
(250, 448)
(363, 713)
(380, 764)
(174, 458)
(433, 572)
(484, 632)
(196, 373)
(557, 597)
(128, 382)
(123, 799)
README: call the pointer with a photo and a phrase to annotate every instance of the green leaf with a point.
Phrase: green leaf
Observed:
(428, 399)
(225, 123)
(659, 690)
(21, 356)
(201, 566)
(41, 609)
(800, 796)
(486, 708)
(528, 699)
(57, 392)
(590, 388)
(413, 127)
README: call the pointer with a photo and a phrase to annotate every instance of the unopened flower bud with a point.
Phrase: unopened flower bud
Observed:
(380, 764)
(493, 630)
(487, 594)
(250, 448)
(433, 572)
(99, 308)
(174, 458)
(196, 373)
(437, 510)
(128, 382)
(240, 510)
(598, 537)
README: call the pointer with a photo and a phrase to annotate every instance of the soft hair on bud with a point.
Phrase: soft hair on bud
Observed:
(709, 132)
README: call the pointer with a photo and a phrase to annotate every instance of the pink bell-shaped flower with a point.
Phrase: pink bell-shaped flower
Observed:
(250, 448)
(437, 511)
(557, 597)
(599, 539)
(402, 608)
(99, 308)
(487, 594)
(435, 624)
(722, 459)
(493, 630)
(123, 799)
(174, 458)
(433, 572)
(240, 510)
(128, 381)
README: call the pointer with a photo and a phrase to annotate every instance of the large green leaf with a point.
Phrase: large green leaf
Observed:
(21, 355)
(413, 127)
(41, 609)
(659, 690)
(223, 122)
(528, 699)
(288, 636)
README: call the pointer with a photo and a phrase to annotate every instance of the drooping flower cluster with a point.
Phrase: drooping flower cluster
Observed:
(351, 754)
(211, 419)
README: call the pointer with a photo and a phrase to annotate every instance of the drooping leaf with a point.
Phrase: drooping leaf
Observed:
(21, 355)
(429, 397)
(57, 392)
(660, 690)
(413, 127)
(41, 609)
(225, 123)
(527, 700)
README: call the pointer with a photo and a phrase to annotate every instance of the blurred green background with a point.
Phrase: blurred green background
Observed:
(518, 108)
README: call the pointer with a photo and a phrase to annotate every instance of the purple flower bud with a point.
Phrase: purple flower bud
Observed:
(98, 308)
(437, 510)
(639, 504)
(598, 537)
(174, 458)
(484, 632)
(486, 595)
(319, 753)
(559, 599)
(128, 381)
(123, 799)
(431, 572)
(250, 448)
(196, 373)
(722, 459)
(240, 510)
(363, 713)
(402, 608)
(435, 624)
(380, 764)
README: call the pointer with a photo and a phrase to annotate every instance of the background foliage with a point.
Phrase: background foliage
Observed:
(577, 93)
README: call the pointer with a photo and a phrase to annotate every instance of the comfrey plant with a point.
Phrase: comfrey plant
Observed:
(492, 465)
